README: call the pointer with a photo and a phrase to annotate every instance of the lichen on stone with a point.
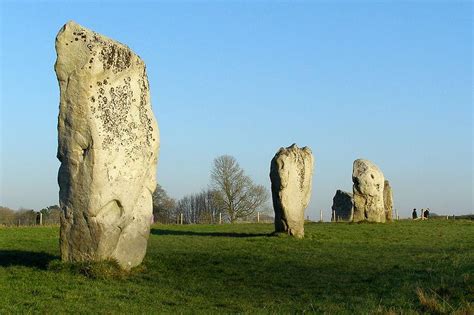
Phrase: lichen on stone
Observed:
(107, 167)
(115, 58)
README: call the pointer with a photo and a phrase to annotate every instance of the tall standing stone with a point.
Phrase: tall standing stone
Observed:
(342, 205)
(368, 192)
(388, 200)
(108, 147)
(291, 174)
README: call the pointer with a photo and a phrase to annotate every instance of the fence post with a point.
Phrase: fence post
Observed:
(334, 215)
(321, 215)
(396, 213)
(447, 218)
(181, 218)
(220, 217)
(258, 217)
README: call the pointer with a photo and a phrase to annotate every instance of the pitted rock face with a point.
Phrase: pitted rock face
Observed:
(291, 174)
(108, 144)
(368, 192)
(342, 205)
(388, 200)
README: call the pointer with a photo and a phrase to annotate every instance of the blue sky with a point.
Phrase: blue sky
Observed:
(390, 81)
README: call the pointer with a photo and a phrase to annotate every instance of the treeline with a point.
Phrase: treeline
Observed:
(451, 217)
(49, 216)
(199, 208)
(195, 208)
(232, 197)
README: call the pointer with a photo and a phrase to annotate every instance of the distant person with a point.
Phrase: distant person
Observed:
(414, 215)
(426, 213)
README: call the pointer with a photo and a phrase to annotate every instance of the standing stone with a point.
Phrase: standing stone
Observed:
(342, 204)
(368, 192)
(108, 147)
(388, 200)
(291, 174)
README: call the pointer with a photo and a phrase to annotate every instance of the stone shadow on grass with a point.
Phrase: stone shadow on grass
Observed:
(192, 233)
(38, 260)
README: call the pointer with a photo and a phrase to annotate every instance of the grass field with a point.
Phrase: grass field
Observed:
(403, 267)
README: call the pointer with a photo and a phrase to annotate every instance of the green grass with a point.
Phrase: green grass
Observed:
(402, 267)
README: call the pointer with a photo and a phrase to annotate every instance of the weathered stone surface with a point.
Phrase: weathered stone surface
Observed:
(388, 200)
(368, 192)
(108, 147)
(291, 174)
(342, 204)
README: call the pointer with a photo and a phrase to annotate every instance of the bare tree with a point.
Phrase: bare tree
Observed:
(25, 216)
(198, 208)
(236, 194)
(163, 206)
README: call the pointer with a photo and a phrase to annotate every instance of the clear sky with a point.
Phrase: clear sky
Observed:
(389, 81)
